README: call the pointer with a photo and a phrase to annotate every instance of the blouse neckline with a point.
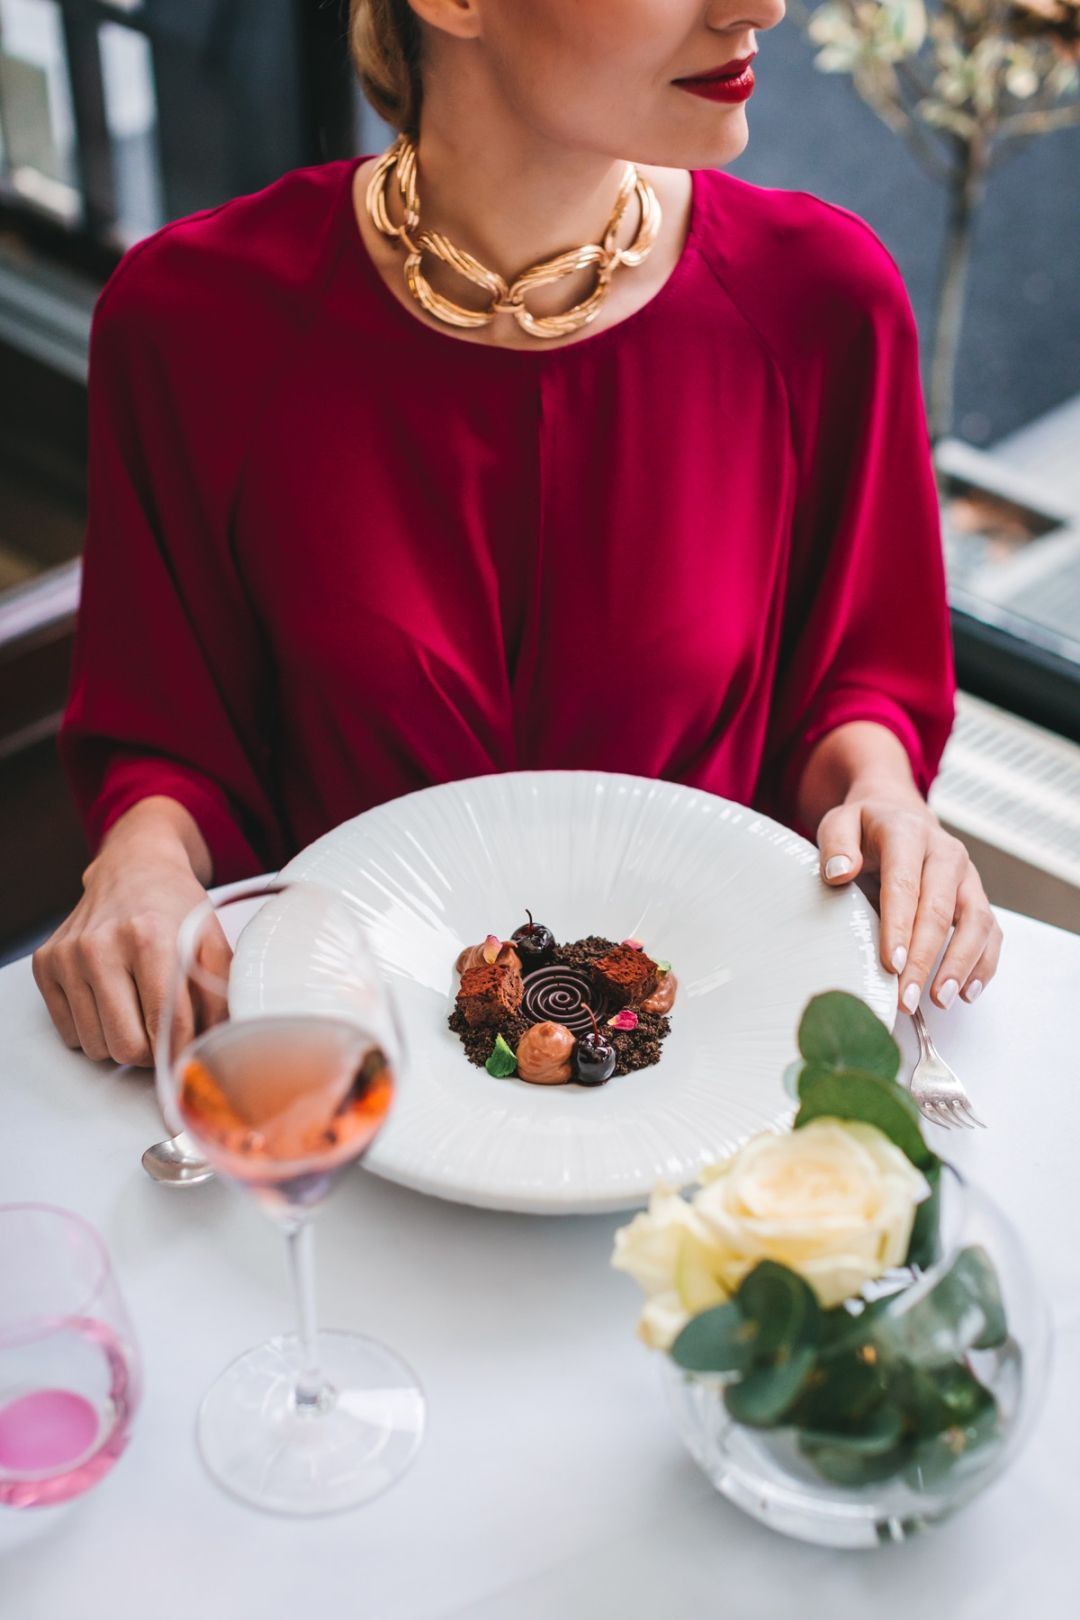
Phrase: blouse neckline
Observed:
(646, 312)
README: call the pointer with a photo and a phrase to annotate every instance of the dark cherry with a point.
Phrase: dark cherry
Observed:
(533, 942)
(594, 1057)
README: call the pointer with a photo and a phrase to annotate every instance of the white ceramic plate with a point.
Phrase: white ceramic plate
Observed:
(730, 898)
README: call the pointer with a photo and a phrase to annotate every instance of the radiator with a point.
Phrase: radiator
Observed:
(1011, 791)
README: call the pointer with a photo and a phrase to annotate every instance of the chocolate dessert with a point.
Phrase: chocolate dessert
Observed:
(550, 1014)
(489, 992)
(625, 976)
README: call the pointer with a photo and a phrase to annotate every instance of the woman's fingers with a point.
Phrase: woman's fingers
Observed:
(928, 887)
(84, 1010)
(972, 938)
(901, 852)
(106, 999)
(944, 869)
(985, 967)
(213, 955)
(54, 996)
(105, 987)
(839, 837)
(182, 1020)
(150, 957)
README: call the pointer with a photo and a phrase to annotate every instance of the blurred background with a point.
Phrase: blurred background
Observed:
(117, 116)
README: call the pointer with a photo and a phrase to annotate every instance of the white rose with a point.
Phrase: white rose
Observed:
(666, 1251)
(834, 1201)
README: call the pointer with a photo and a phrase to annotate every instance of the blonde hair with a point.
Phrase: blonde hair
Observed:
(384, 39)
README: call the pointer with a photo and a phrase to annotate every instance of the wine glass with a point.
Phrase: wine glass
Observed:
(279, 1051)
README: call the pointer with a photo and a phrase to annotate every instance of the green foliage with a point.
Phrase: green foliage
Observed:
(783, 1308)
(716, 1340)
(842, 1392)
(872, 1389)
(849, 1068)
(858, 1095)
(871, 1393)
(769, 1333)
(839, 1032)
(962, 1311)
(763, 1396)
(502, 1061)
(924, 1248)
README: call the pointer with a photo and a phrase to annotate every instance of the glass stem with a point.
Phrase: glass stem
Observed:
(312, 1393)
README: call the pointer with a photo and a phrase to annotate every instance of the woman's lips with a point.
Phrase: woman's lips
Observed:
(737, 87)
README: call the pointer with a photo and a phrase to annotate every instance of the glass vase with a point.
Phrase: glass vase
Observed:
(931, 1334)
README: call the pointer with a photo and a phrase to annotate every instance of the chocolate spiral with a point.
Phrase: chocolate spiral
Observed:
(558, 995)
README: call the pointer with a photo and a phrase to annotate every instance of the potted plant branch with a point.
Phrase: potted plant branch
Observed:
(966, 84)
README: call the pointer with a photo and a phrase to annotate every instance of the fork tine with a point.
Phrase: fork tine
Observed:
(970, 1114)
(956, 1108)
(931, 1109)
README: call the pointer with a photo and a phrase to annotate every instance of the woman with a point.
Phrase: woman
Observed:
(351, 533)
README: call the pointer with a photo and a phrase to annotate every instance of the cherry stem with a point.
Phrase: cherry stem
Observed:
(596, 1027)
(532, 925)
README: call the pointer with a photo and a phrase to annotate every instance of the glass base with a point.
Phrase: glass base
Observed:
(363, 1436)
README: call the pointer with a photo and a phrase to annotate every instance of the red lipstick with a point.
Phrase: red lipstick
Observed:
(733, 81)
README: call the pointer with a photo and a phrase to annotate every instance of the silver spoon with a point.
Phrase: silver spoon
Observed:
(176, 1162)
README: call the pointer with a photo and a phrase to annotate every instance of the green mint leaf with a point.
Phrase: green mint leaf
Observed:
(502, 1061)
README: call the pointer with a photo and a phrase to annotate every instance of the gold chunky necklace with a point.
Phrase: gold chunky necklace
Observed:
(508, 298)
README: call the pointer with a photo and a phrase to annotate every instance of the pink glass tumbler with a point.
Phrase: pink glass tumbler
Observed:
(69, 1368)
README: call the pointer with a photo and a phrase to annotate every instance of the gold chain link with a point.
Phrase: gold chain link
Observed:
(508, 298)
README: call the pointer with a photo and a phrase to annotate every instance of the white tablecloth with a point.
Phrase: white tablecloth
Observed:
(550, 1483)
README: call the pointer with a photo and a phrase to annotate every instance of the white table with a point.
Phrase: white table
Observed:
(551, 1485)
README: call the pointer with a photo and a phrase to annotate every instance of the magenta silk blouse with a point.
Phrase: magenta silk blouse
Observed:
(334, 555)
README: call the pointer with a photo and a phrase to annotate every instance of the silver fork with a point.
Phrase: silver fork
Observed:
(935, 1088)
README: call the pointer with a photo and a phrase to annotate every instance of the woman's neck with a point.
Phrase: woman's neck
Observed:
(513, 203)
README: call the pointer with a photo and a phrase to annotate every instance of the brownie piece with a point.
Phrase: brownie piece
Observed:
(489, 992)
(624, 975)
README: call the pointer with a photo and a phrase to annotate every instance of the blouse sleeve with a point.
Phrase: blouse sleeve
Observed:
(167, 676)
(866, 629)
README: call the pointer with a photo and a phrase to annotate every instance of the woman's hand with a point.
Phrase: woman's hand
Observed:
(105, 973)
(928, 885)
(858, 791)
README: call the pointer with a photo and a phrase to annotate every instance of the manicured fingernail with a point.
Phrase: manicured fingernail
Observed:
(899, 959)
(947, 994)
(974, 990)
(910, 997)
(837, 865)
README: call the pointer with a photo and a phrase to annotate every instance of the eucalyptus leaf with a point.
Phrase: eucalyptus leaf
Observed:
(880, 1431)
(962, 1311)
(938, 1398)
(975, 1270)
(763, 1396)
(784, 1309)
(845, 1465)
(838, 1031)
(790, 1078)
(843, 1329)
(861, 1095)
(842, 1391)
(924, 1248)
(956, 1448)
(717, 1340)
